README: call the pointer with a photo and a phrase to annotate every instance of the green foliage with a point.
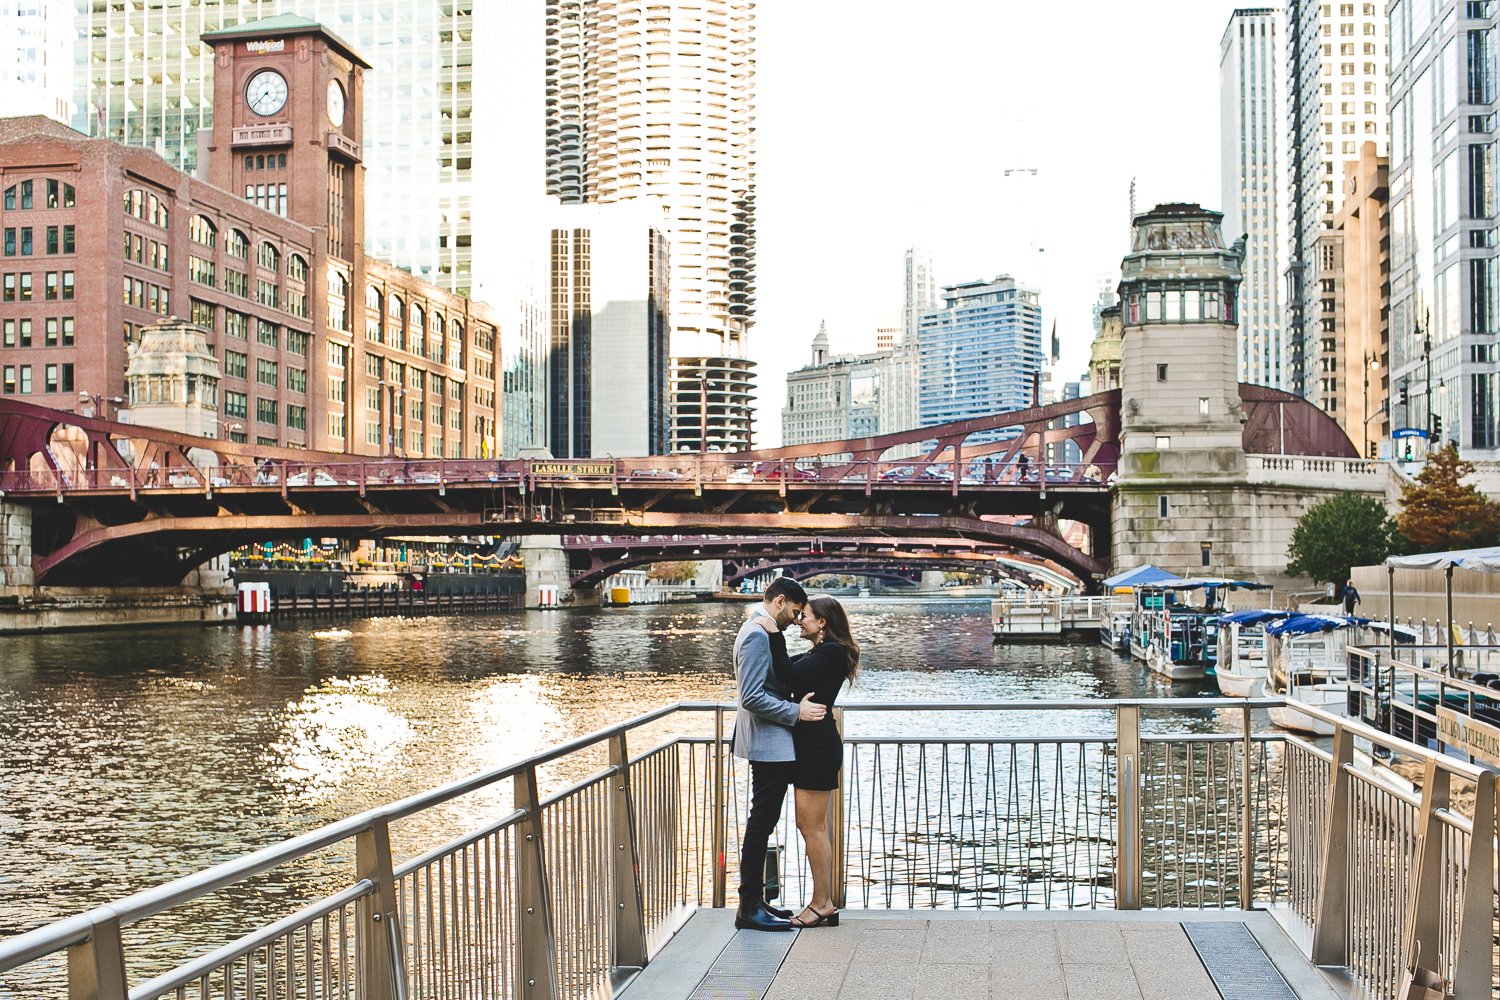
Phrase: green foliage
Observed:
(672, 572)
(1439, 511)
(1343, 531)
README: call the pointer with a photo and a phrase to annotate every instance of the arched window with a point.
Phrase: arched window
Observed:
(237, 244)
(202, 231)
(296, 267)
(338, 300)
(398, 308)
(372, 298)
(268, 257)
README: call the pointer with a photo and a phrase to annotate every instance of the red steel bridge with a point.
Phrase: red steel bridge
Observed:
(595, 558)
(122, 504)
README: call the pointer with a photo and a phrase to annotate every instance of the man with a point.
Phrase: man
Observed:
(1351, 597)
(763, 736)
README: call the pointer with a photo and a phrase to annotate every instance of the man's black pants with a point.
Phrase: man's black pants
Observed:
(768, 784)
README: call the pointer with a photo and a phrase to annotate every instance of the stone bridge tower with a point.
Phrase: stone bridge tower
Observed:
(1181, 413)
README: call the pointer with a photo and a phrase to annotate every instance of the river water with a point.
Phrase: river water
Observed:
(129, 758)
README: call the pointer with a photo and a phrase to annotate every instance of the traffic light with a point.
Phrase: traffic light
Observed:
(1437, 427)
(1403, 394)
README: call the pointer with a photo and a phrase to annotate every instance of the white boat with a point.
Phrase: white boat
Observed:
(1181, 642)
(1241, 666)
(1115, 632)
(1308, 662)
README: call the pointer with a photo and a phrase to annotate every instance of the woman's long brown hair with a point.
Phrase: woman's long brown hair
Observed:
(836, 627)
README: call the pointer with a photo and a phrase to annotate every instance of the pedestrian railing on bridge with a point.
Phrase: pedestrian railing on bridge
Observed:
(603, 847)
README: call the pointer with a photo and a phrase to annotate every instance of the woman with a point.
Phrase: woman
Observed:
(822, 671)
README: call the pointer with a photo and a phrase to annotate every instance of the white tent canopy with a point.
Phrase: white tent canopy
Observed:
(1483, 560)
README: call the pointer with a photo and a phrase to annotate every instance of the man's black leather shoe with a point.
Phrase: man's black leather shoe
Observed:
(760, 919)
(777, 911)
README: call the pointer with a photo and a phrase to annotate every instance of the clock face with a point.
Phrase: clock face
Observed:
(335, 103)
(266, 92)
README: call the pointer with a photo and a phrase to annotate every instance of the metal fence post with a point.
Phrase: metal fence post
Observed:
(1471, 975)
(836, 825)
(721, 870)
(382, 966)
(96, 968)
(630, 914)
(1128, 807)
(538, 945)
(1247, 816)
(1331, 914)
(1425, 902)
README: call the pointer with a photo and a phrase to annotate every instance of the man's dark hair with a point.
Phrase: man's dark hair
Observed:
(785, 586)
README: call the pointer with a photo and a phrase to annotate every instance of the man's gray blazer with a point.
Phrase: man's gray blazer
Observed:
(762, 724)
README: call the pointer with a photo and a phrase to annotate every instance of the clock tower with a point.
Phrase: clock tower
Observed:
(287, 137)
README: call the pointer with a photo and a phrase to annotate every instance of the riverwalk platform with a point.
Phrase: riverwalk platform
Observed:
(1095, 849)
(947, 955)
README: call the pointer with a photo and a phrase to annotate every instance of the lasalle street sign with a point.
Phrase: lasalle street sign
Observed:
(1478, 739)
(591, 470)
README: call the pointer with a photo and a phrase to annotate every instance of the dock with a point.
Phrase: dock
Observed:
(1030, 616)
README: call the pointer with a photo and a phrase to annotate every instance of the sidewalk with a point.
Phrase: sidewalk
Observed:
(885, 955)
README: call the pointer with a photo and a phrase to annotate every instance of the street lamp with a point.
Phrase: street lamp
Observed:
(93, 402)
(1372, 364)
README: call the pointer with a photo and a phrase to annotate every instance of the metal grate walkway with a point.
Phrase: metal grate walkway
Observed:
(1235, 961)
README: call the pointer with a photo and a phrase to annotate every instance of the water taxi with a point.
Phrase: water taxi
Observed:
(1181, 640)
(1308, 661)
(1241, 666)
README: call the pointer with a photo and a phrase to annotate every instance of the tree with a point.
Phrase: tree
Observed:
(1439, 511)
(672, 572)
(1343, 531)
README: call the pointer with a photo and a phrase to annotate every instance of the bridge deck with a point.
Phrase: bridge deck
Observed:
(890, 955)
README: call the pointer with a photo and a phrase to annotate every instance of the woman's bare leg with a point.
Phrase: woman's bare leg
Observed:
(812, 823)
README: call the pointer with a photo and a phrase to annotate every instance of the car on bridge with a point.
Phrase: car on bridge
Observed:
(774, 471)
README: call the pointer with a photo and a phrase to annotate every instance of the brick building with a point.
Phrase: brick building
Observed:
(319, 346)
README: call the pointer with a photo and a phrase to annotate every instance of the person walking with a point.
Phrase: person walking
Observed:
(763, 736)
(1351, 597)
(819, 673)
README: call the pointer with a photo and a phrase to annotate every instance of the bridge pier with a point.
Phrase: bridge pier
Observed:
(15, 548)
(547, 566)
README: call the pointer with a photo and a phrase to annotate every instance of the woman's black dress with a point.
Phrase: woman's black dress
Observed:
(820, 749)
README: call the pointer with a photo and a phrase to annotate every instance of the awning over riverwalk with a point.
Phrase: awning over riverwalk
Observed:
(1483, 560)
(1140, 576)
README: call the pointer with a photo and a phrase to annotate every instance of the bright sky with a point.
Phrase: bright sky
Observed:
(887, 125)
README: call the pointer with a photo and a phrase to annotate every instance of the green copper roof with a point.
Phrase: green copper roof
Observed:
(282, 24)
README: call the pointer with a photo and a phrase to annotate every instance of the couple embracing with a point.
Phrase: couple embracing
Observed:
(782, 727)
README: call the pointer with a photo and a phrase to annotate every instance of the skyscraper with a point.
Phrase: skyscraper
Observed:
(921, 292)
(147, 80)
(979, 354)
(1252, 144)
(1444, 265)
(1337, 101)
(36, 58)
(652, 99)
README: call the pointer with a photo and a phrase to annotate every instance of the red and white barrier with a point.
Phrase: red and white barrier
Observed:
(254, 602)
(548, 595)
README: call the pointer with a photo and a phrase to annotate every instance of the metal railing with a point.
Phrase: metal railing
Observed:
(1123, 804)
(696, 471)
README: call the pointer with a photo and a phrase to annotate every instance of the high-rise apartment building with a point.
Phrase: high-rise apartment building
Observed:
(608, 361)
(1336, 102)
(652, 99)
(36, 58)
(1252, 146)
(1444, 262)
(146, 79)
(981, 353)
(921, 292)
(1363, 229)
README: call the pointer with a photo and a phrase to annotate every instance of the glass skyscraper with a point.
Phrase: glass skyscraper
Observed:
(979, 354)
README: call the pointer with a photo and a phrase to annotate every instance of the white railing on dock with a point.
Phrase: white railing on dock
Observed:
(599, 853)
(1034, 614)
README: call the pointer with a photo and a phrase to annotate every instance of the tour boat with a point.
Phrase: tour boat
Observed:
(1307, 657)
(1241, 666)
(1181, 640)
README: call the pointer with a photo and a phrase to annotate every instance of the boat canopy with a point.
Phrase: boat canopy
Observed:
(1308, 624)
(1485, 560)
(1203, 583)
(1140, 576)
(1258, 616)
